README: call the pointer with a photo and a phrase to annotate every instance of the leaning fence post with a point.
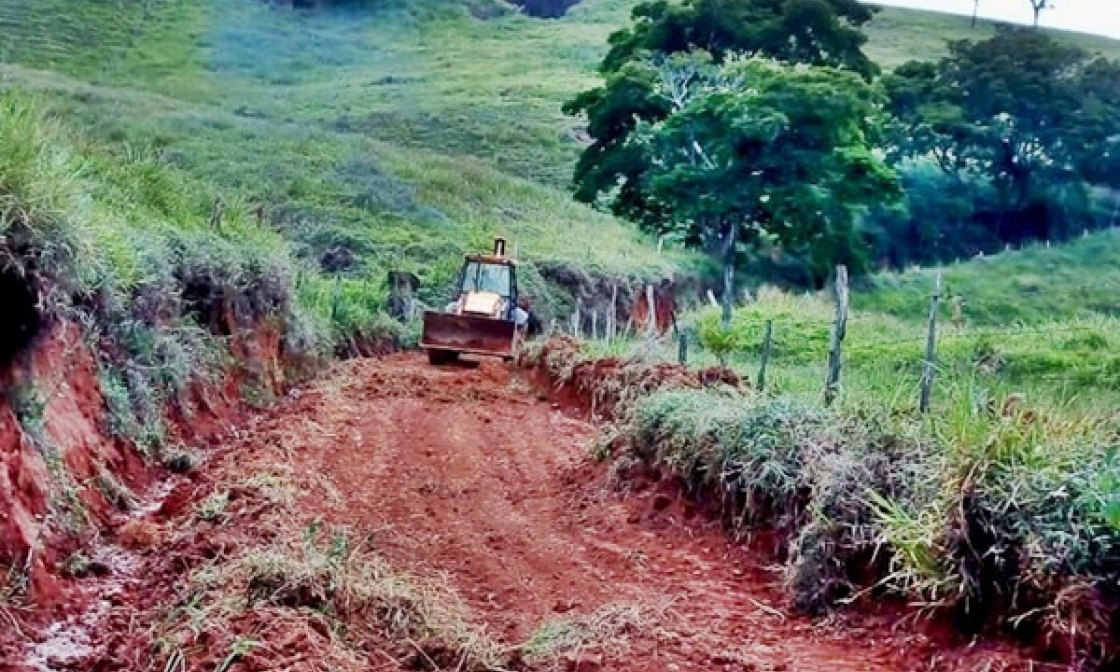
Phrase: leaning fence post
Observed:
(767, 341)
(929, 366)
(839, 330)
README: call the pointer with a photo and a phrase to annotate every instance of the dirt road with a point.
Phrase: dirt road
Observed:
(468, 476)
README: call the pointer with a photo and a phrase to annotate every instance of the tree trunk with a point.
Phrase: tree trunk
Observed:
(728, 273)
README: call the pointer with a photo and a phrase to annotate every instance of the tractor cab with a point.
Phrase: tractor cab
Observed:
(487, 286)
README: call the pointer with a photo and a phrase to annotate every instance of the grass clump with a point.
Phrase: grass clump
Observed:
(355, 312)
(778, 464)
(1004, 519)
(325, 576)
(605, 630)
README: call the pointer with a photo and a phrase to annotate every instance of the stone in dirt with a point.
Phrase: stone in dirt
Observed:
(583, 661)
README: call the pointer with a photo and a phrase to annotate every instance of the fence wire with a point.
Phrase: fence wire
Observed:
(1088, 376)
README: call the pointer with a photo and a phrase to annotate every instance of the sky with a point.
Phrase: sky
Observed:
(1088, 16)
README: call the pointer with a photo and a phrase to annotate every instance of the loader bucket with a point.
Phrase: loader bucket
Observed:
(468, 334)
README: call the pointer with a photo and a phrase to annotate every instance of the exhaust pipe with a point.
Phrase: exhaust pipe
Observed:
(500, 247)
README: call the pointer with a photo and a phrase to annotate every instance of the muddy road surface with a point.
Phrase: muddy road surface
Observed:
(469, 480)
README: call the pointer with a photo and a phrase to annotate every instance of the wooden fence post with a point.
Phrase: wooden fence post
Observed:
(767, 342)
(651, 323)
(930, 365)
(612, 317)
(336, 297)
(839, 330)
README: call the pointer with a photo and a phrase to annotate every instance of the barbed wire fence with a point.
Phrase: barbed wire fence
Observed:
(682, 345)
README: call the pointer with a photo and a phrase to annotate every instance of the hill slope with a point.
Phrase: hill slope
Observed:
(1031, 286)
(405, 134)
(352, 129)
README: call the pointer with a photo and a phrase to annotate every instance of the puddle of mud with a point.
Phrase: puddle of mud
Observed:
(69, 644)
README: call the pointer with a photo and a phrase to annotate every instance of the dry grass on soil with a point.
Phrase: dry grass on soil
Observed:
(270, 585)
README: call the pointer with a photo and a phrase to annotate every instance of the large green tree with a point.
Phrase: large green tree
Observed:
(1028, 114)
(755, 150)
(815, 32)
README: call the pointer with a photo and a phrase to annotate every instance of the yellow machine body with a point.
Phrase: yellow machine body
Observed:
(480, 320)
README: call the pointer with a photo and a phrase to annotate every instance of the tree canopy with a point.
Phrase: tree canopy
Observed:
(707, 106)
(754, 151)
(1021, 111)
(815, 32)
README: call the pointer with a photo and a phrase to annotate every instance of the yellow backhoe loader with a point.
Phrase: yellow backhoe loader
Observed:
(484, 318)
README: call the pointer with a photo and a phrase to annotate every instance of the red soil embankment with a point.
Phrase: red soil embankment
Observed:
(469, 475)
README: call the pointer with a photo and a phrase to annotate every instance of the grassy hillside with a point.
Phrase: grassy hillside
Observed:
(405, 134)
(1080, 280)
(898, 35)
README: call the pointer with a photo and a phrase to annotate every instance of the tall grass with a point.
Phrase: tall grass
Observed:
(1071, 360)
(160, 276)
(1004, 519)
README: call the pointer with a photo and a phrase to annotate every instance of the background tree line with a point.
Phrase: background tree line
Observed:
(759, 131)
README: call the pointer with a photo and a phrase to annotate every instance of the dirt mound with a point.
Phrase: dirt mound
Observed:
(604, 386)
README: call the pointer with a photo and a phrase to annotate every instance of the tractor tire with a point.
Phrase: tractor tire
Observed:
(441, 357)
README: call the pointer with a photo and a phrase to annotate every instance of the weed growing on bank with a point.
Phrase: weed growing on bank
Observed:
(1006, 518)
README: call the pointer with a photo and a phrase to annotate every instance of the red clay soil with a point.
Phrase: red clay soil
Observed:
(65, 375)
(469, 475)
